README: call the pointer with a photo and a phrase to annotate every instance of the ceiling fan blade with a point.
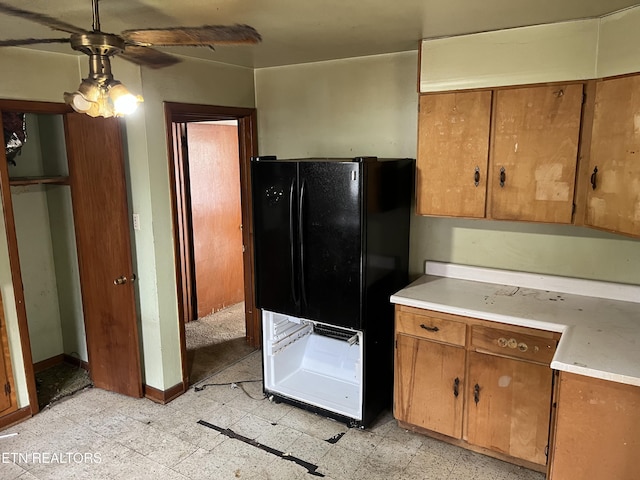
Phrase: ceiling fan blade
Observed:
(41, 18)
(31, 41)
(148, 57)
(193, 36)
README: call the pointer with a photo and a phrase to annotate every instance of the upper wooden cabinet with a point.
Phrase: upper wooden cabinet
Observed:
(534, 153)
(613, 196)
(453, 150)
(525, 140)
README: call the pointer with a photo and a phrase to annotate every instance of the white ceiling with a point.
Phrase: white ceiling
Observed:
(298, 31)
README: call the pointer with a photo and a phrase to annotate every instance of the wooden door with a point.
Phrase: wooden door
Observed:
(216, 216)
(613, 199)
(597, 430)
(453, 151)
(429, 385)
(98, 192)
(535, 152)
(8, 402)
(508, 406)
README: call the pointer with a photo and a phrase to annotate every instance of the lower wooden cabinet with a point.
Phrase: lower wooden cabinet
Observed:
(429, 385)
(597, 430)
(488, 388)
(509, 406)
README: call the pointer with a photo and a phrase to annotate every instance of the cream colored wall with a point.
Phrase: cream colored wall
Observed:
(369, 106)
(619, 44)
(23, 79)
(541, 53)
(191, 81)
(360, 106)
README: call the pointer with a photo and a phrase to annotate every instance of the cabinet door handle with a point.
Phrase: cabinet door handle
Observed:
(430, 329)
(476, 393)
(456, 386)
(476, 177)
(503, 176)
(593, 178)
(120, 280)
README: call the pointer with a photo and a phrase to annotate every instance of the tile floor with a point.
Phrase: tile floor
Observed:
(100, 435)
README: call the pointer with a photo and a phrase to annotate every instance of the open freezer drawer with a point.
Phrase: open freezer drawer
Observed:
(315, 364)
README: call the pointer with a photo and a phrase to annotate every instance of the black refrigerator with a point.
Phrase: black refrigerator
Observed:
(331, 238)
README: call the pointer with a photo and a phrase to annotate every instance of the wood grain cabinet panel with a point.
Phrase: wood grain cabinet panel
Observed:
(507, 154)
(613, 198)
(535, 152)
(453, 149)
(597, 434)
(509, 405)
(431, 328)
(429, 385)
(476, 393)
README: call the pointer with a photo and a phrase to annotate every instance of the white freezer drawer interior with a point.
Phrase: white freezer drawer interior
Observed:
(314, 369)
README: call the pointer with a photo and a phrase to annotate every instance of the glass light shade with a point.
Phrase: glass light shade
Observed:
(102, 99)
(124, 102)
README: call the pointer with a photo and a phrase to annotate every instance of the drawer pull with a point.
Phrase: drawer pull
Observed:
(502, 342)
(456, 386)
(430, 329)
(523, 347)
(512, 343)
(476, 393)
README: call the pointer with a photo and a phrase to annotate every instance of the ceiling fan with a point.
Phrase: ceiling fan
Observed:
(100, 94)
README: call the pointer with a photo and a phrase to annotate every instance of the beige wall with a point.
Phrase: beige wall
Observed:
(191, 81)
(369, 106)
(23, 79)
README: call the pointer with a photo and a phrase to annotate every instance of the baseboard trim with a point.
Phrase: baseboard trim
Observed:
(78, 362)
(48, 363)
(15, 417)
(163, 396)
(57, 360)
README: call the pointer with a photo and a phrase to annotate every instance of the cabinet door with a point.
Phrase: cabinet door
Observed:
(534, 153)
(453, 148)
(429, 379)
(613, 199)
(509, 405)
(597, 430)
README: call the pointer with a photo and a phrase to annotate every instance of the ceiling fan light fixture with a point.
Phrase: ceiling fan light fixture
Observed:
(100, 95)
(124, 102)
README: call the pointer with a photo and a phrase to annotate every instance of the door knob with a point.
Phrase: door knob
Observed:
(120, 280)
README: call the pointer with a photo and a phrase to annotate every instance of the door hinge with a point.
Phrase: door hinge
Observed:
(396, 343)
(7, 389)
(584, 98)
(573, 209)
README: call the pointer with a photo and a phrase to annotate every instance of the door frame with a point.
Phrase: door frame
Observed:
(176, 113)
(22, 106)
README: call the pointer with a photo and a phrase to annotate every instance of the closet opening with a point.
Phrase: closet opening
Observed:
(46, 243)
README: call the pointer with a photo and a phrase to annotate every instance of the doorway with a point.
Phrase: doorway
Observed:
(210, 149)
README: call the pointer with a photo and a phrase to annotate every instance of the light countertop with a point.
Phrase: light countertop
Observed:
(599, 321)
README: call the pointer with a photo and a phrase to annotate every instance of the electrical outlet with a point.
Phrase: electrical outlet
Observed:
(136, 221)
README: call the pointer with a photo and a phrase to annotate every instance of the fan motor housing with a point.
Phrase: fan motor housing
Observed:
(97, 43)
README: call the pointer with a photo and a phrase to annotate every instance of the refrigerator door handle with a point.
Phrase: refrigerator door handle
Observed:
(296, 300)
(301, 237)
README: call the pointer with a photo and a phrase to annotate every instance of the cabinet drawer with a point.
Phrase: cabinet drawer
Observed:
(517, 345)
(432, 328)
